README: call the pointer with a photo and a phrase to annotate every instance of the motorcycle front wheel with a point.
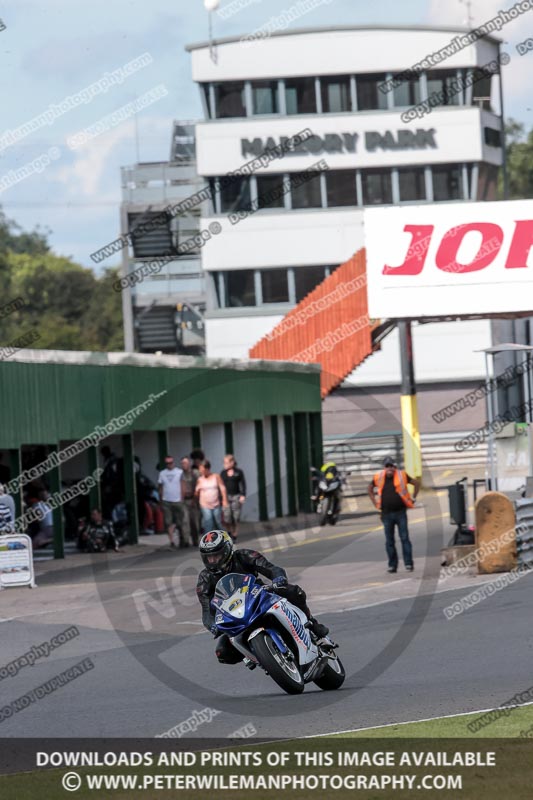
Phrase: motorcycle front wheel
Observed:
(324, 511)
(334, 516)
(281, 667)
(333, 675)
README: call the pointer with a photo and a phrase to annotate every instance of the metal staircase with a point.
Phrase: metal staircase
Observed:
(330, 326)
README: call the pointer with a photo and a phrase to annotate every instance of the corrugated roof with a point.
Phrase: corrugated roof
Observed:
(330, 326)
(45, 402)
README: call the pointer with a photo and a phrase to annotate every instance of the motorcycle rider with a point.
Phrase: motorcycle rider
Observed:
(220, 558)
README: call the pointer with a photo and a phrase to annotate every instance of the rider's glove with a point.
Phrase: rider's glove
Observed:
(214, 630)
(280, 582)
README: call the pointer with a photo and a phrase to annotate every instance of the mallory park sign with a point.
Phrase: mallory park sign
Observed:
(372, 141)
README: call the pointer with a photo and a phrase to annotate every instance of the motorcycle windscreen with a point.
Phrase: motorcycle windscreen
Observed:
(231, 583)
(238, 602)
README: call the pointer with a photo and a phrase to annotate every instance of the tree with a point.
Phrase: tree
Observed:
(519, 162)
(102, 322)
(33, 243)
(67, 304)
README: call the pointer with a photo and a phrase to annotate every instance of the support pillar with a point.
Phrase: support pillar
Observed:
(261, 470)
(130, 488)
(54, 479)
(408, 404)
(196, 437)
(303, 465)
(228, 437)
(290, 465)
(95, 494)
(276, 465)
(162, 448)
(315, 420)
(15, 466)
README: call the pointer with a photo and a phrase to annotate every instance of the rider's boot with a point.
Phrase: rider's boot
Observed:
(317, 628)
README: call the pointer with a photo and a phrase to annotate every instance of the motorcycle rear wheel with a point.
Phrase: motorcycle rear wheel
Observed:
(282, 669)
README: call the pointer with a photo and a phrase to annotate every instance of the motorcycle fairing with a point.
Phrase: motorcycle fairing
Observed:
(241, 601)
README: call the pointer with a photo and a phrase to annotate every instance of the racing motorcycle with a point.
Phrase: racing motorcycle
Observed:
(327, 493)
(273, 634)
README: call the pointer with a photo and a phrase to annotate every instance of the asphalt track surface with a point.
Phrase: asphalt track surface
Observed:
(154, 665)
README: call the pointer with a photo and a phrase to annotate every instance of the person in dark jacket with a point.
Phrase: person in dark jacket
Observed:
(235, 483)
(98, 536)
(220, 558)
(388, 492)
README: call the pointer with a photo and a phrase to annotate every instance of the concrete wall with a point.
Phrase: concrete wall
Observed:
(286, 239)
(179, 442)
(146, 447)
(443, 351)
(367, 410)
(232, 338)
(244, 451)
(213, 445)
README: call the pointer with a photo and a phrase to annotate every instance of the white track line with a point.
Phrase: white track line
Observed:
(357, 591)
(431, 593)
(67, 608)
(413, 721)
(327, 611)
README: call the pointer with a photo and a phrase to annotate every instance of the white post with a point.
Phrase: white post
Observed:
(490, 421)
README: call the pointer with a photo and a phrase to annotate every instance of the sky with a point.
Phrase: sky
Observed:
(51, 49)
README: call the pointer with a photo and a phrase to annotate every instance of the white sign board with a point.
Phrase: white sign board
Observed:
(347, 141)
(450, 259)
(16, 561)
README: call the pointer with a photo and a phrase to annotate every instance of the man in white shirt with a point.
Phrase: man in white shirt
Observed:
(171, 492)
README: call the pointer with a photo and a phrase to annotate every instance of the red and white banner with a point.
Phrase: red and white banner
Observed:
(450, 259)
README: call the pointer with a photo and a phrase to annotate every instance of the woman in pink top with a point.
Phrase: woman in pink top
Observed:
(209, 489)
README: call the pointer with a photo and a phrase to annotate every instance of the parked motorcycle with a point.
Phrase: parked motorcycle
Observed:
(328, 484)
(273, 634)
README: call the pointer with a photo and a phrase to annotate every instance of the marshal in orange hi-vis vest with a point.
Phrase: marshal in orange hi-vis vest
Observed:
(400, 484)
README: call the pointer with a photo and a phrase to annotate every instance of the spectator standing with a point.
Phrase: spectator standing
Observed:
(110, 480)
(197, 456)
(209, 491)
(43, 530)
(171, 493)
(145, 489)
(388, 492)
(191, 512)
(7, 511)
(235, 483)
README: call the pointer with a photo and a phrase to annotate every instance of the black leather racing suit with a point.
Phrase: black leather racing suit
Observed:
(243, 562)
